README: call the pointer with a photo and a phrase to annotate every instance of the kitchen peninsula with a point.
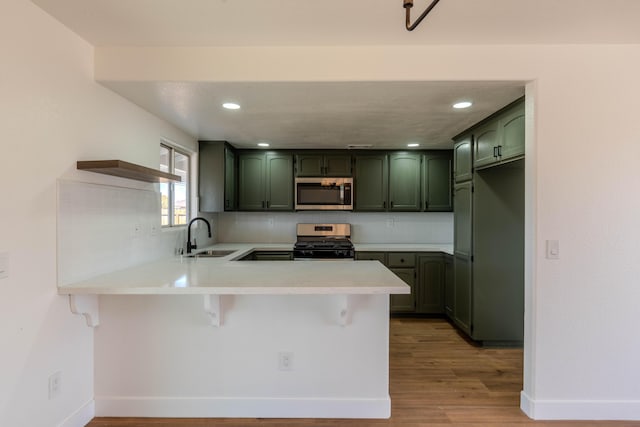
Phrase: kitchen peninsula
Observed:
(217, 337)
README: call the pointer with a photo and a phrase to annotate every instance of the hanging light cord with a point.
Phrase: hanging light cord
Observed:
(408, 4)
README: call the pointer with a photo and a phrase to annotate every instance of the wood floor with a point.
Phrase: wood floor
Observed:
(437, 378)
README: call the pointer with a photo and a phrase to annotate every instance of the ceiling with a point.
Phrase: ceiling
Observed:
(334, 115)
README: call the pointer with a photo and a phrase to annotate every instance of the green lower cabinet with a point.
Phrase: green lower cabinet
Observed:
(430, 289)
(404, 303)
(449, 287)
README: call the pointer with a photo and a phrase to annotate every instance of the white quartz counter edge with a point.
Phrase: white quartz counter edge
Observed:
(226, 276)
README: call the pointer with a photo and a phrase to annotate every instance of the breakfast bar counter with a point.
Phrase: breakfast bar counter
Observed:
(219, 337)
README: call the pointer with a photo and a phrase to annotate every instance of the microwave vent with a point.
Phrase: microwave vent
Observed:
(359, 146)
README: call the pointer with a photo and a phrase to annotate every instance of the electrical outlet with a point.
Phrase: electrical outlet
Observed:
(137, 230)
(270, 222)
(154, 230)
(285, 361)
(390, 222)
(55, 385)
(4, 265)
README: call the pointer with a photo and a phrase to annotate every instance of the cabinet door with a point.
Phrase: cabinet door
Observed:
(404, 182)
(463, 295)
(230, 199)
(512, 133)
(211, 176)
(337, 165)
(309, 165)
(449, 287)
(371, 183)
(462, 159)
(430, 289)
(251, 175)
(485, 140)
(404, 303)
(279, 182)
(462, 219)
(436, 182)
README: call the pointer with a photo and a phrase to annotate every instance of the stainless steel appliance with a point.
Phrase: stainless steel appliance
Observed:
(324, 194)
(323, 242)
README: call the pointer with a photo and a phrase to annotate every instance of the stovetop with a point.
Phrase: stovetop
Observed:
(323, 241)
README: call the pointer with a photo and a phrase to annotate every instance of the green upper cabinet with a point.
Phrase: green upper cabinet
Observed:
(251, 178)
(404, 182)
(371, 182)
(485, 144)
(511, 126)
(436, 181)
(462, 158)
(265, 181)
(216, 177)
(501, 137)
(318, 164)
(230, 184)
(279, 182)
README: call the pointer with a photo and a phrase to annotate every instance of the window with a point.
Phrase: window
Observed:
(175, 195)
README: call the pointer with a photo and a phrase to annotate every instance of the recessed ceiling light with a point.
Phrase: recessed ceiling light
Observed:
(263, 144)
(462, 104)
(413, 144)
(231, 106)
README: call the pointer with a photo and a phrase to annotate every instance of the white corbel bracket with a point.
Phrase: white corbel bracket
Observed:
(213, 308)
(344, 309)
(86, 305)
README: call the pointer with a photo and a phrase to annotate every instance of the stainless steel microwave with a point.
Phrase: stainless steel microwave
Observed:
(326, 194)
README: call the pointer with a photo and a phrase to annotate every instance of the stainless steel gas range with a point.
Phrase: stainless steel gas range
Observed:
(323, 242)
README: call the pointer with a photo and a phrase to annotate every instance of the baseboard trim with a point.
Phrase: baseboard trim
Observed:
(215, 407)
(81, 416)
(597, 410)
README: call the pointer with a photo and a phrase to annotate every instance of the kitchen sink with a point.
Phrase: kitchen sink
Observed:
(211, 253)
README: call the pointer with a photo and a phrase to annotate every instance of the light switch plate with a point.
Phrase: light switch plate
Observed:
(4, 265)
(553, 249)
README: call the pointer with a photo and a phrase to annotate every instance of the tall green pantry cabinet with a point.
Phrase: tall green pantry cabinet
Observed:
(487, 300)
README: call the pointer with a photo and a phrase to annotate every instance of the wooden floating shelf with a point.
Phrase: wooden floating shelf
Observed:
(127, 170)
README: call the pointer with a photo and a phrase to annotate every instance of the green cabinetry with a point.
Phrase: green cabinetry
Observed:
(430, 290)
(463, 158)
(500, 138)
(216, 177)
(392, 182)
(436, 181)
(371, 182)
(424, 272)
(486, 300)
(265, 181)
(404, 182)
(323, 164)
(449, 286)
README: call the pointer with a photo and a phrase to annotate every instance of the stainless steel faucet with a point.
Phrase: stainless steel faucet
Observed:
(193, 246)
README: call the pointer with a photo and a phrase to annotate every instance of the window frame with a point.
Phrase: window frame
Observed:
(171, 185)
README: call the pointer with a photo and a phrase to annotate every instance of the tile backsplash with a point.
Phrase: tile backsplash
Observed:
(374, 227)
(102, 228)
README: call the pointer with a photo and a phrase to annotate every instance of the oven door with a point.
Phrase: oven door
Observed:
(324, 194)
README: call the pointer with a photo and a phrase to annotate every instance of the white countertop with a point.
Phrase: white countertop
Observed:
(225, 276)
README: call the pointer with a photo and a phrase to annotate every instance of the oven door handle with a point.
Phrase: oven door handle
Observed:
(342, 194)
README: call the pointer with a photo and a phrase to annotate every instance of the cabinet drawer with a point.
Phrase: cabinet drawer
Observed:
(372, 256)
(401, 259)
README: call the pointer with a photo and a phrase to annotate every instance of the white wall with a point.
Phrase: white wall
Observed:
(52, 113)
(583, 148)
(280, 227)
